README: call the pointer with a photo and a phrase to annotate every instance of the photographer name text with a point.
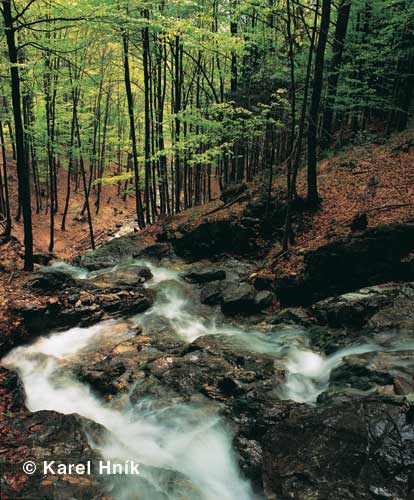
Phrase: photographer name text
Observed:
(101, 467)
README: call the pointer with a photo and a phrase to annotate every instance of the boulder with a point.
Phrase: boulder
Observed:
(155, 252)
(387, 306)
(212, 293)
(43, 259)
(124, 300)
(390, 371)
(375, 256)
(202, 274)
(359, 448)
(363, 372)
(293, 316)
(50, 281)
(122, 276)
(80, 307)
(275, 210)
(111, 253)
(213, 238)
(238, 298)
(263, 299)
(166, 235)
(102, 376)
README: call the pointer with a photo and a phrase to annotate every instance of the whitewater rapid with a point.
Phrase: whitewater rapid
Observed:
(184, 451)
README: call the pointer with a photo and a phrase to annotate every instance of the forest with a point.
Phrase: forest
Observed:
(207, 249)
(167, 101)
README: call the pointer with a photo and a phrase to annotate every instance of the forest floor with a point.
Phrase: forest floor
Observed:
(373, 179)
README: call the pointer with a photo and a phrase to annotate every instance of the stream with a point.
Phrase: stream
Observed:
(184, 450)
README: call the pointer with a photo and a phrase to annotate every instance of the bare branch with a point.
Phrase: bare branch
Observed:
(20, 14)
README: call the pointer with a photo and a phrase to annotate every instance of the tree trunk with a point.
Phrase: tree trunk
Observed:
(22, 166)
(8, 225)
(147, 131)
(127, 77)
(313, 198)
(344, 8)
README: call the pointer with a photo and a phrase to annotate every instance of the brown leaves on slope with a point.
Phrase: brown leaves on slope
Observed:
(374, 180)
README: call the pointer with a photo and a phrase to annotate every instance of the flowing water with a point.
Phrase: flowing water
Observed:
(184, 450)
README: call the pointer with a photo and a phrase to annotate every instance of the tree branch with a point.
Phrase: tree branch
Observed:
(20, 14)
(51, 20)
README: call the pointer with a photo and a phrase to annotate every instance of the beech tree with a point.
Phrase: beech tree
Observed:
(170, 102)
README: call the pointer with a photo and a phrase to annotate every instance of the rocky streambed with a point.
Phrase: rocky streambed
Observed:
(184, 369)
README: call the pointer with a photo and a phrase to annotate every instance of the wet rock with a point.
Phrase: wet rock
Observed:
(238, 298)
(398, 316)
(403, 385)
(150, 387)
(354, 449)
(202, 274)
(349, 310)
(250, 458)
(208, 369)
(380, 307)
(50, 281)
(263, 299)
(131, 275)
(80, 307)
(122, 275)
(101, 377)
(212, 293)
(391, 372)
(255, 413)
(375, 256)
(50, 436)
(191, 373)
(12, 393)
(127, 300)
(111, 253)
(362, 372)
(44, 435)
(113, 371)
(292, 315)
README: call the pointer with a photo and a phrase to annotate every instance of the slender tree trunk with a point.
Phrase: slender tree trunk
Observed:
(75, 97)
(344, 9)
(84, 182)
(48, 103)
(298, 146)
(313, 197)
(147, 126)
(177, 108)
(101, 163)
(8, 225)
(138, 200)
(290, 191)
(22, 166)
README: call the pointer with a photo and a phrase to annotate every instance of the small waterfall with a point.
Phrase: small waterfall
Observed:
(180, 440)
(185, 452)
